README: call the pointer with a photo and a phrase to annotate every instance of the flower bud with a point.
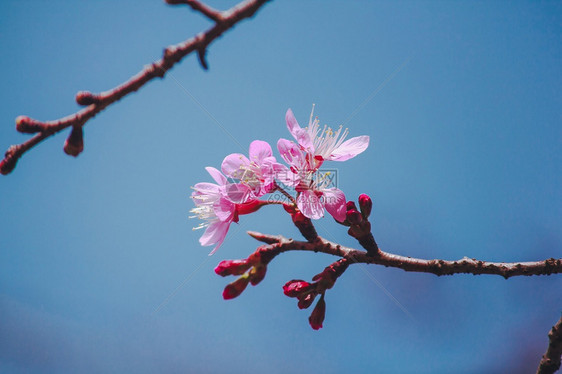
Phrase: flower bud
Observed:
(366, 205)
(257, 274)
(74, 144)
(232, 267)
(318, 314)
(354, 217)
(28, 125)
(350, 205)
(296, 287)
(7, 165)
(235, 288)
(306, 300)
(86, 98)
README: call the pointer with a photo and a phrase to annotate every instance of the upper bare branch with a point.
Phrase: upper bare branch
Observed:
(95, 103)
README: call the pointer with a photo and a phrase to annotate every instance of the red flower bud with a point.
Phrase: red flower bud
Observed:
(350, 205)
(74, 144)
(306, 300)
(318, 314)
(235, 288)
(354, 217)
(232, 267)
(257, 274)
(296, 287)
(365, 204)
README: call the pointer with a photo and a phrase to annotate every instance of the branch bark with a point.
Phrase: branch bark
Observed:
(438, 267)
(95, 103)
(550, 362)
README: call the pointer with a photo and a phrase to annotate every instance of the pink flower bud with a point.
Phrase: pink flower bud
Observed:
(365, 204)
(318, 314)
(235, 288)
(232, 267)
(296, 287)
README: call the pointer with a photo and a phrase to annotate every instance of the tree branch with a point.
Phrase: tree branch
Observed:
(97, 102)
(437, 267)
(209, 12)
(550, 362)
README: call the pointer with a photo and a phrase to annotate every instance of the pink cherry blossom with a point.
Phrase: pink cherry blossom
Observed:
(258, 172)
(324, 144)
(216, 210)
(312, 186)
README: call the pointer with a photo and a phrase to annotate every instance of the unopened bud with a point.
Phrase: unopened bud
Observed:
(257, 274)
(366, 205)
(235, 288)
(296, 287)
(317, 317)
(350, 205)
(354, 217)
(74, 144)
(306, 300)
(28, 125)
(232, 267)
(7, 165)
(86, 98)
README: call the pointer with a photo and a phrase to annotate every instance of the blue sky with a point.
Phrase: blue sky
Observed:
(465, 159)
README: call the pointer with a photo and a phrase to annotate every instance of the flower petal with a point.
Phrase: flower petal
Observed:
(259, 150)
(310, 205)
(224, 209)
(214, 234)
(235, 165)
(238, 193)
(350, 148)
(301, 135)
(334, 200)
(216, 175)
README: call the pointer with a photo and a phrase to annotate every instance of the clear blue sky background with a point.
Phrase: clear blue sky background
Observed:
(465, 160)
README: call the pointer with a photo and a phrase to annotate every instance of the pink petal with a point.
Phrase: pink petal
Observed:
(216, 175)
(214, 234)
(310, 205)
(290, 152)
(235, 165)
(224, 209)
(205, 188)
(334, 200)
(259, 150)
(300, 134)
(237, 192)
(350, 148)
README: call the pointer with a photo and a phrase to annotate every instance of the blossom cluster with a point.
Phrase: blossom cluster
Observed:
(244, 180)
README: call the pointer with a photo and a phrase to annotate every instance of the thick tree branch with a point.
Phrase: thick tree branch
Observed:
(437, 267)
(97, 102)
(550, 362)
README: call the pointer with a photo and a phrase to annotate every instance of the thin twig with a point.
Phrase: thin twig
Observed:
(550, 362)
(437, 267)
(97, 102)
(209, 12)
